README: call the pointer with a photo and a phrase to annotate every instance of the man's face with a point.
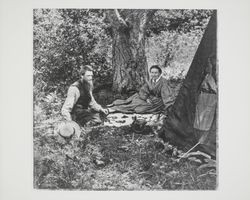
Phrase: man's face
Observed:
(154, 73)
(88, 76)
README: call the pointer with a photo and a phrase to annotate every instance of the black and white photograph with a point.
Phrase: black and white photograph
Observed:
(125, 99)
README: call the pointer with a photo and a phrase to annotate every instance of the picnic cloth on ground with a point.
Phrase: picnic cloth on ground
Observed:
(121, 119)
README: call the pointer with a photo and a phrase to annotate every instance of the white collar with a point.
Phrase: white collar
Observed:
(157, 79)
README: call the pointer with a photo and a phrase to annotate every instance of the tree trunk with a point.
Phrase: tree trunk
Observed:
(129, 59)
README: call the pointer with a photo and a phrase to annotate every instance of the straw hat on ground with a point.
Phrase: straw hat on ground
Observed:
(68, 129)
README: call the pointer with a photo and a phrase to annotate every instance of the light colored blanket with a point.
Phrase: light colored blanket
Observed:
(120, 119)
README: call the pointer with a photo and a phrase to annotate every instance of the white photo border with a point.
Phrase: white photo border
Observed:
(16, 102)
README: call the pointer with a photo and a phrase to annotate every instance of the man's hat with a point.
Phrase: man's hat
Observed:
(68, 129)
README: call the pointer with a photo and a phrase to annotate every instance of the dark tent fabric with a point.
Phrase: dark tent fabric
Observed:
(196, 101)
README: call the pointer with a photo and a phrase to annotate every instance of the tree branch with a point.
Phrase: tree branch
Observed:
(145, 17)
(115, 18)
(150, 14)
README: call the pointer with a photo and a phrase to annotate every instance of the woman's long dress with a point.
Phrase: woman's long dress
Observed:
(159, 93)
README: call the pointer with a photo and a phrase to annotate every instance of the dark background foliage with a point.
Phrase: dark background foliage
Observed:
(64, 39)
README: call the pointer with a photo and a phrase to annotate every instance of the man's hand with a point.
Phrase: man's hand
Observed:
(149, 101)
(105, 111)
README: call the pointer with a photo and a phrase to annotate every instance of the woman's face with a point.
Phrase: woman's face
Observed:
(154, 73)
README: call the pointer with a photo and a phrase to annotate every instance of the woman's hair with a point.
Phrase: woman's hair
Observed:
(85, 68)
(156, 67)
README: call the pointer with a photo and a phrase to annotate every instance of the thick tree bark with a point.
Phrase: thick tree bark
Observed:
(129, 60)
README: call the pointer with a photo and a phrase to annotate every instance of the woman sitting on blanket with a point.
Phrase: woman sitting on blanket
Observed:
(154, 97)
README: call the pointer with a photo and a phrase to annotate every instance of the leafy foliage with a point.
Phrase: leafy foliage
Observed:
(173, 51)
(173, 38)
(115, 159)
(181, 21)
(105, 158)
(64, 39)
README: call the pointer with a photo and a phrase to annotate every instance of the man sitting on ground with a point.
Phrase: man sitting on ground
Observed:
(80, 105)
